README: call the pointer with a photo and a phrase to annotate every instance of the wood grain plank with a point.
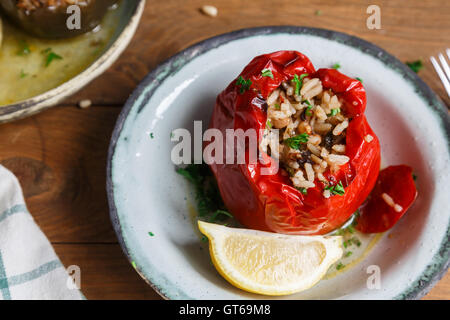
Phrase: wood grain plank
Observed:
(105, 272)
(59, 157)
(441, 291)
(409, 31)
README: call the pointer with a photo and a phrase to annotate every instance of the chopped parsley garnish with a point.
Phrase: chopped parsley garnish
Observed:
(277, 106)
(298, 82)
(214, 216)
(359, 79)
(133, 264)
(244, 84)
(23, 74)
(207, 195)
(355, 241)
(336, 66)
(415, 65)
(414, 177)
(334, 111)
(308, 108)
(303, 190)
(352, 241)
(294, 142)
(350, 229)
(337, 189)
(151, 135)
(267, 73)
(340, 266)
(50, 56)
(269, 124)
(204, 239)
(348, 254)
(24, 48)
(151, 234)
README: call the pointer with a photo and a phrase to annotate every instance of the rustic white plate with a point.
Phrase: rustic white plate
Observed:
(146, 195)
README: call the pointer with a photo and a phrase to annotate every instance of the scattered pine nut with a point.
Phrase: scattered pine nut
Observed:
(83, 104)
(210, 11)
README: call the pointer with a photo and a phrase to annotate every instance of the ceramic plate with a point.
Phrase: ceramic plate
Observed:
(129, 16)
(147, 195)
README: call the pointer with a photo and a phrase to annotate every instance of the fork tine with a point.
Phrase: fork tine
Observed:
(441, 74)
(444, 65)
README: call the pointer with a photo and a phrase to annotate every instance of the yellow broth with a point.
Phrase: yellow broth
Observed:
(25, 70)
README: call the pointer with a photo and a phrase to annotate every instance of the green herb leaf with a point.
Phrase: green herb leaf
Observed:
(296, 141)
(308, 108)
(348, 254)
(24, 48)
(269, 124)
(415, 66)
(336, 66)
(359, 79)
(334, 112)
(151, 135)
(151, 234)
(303, 190)
(267, 73)
(340, 266)
(298, 82)
(243, 84)
(204, 239)
(356, 241)
(414, 177)
(23, 74)
(277, 106)
(336, 189)
(207, 195)
(350, 229)
(51, 56)
(217, 213)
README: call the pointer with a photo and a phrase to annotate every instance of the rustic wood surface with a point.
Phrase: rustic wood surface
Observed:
(60, 154)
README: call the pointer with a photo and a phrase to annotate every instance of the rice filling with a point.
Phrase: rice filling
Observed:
(312, 132)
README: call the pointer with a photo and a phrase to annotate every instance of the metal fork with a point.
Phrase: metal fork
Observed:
(444, 71)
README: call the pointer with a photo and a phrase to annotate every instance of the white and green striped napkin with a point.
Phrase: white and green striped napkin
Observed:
(29, 267)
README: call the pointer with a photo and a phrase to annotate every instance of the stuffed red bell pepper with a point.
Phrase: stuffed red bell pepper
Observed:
(329, 156)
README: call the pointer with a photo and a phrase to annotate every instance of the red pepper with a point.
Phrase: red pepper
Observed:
(270, 202)
(376, 215)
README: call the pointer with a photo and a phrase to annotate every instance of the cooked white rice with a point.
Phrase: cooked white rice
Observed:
(314, 114)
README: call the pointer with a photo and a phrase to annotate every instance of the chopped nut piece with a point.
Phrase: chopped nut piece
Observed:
(83, 104)
(210, 11)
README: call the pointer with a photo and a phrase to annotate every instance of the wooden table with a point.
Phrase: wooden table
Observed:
(60, 154)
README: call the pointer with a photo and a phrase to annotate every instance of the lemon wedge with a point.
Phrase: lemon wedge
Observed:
(270, 263)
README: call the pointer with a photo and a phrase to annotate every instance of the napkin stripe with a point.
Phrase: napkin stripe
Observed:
(4, 288)
(15, 209)
(34, 274)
